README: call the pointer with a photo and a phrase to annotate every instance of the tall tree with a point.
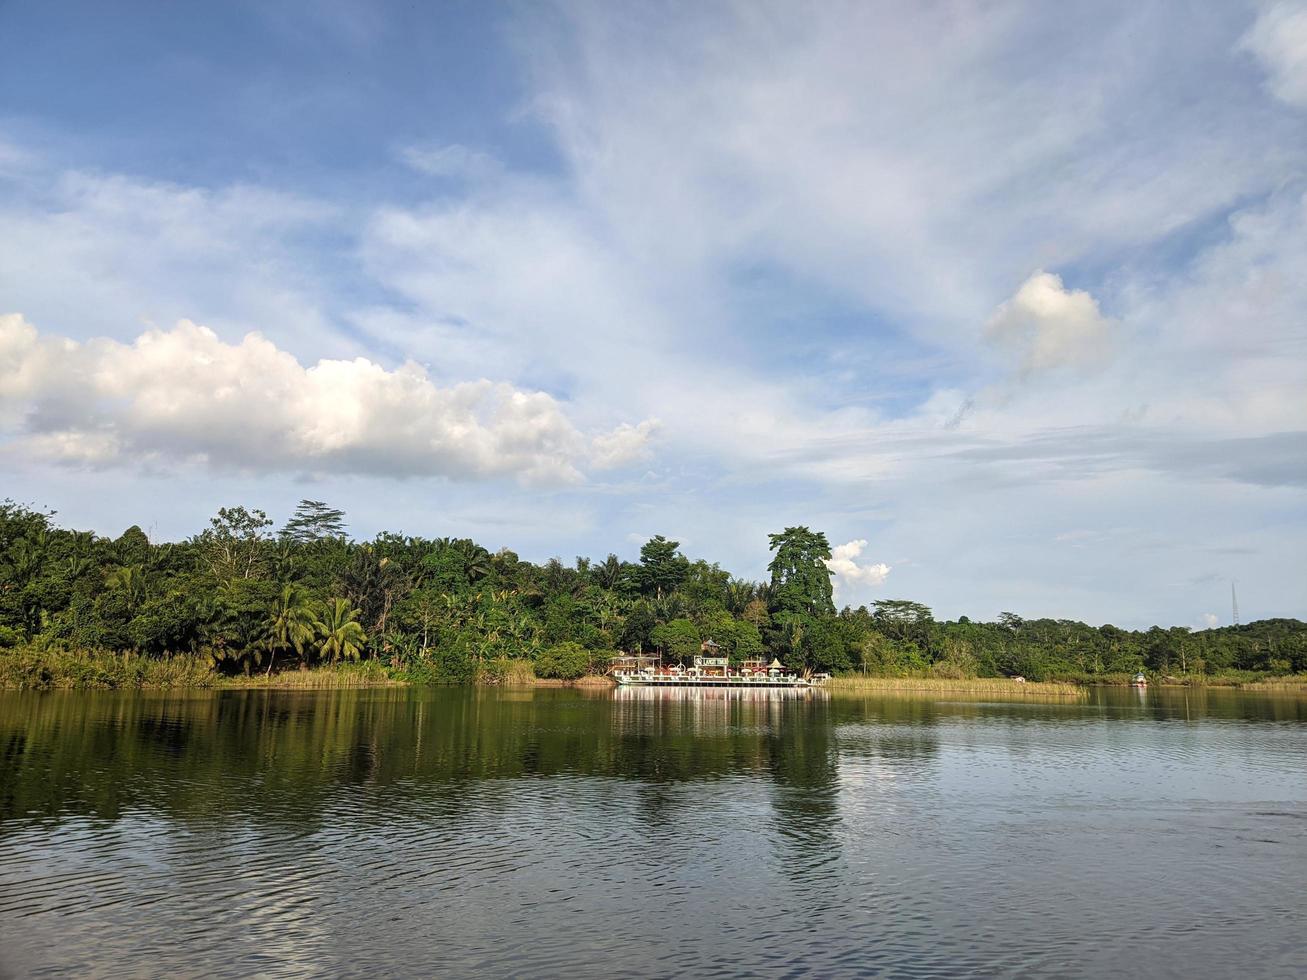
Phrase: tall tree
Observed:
(800, 580)
(234, 543)
(904, 621)
(662, 567)
(313, 520)
(678, 639)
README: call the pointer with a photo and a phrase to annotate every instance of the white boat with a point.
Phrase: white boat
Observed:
(710, 670)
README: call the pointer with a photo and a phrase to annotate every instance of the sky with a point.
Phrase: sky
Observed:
(1009, 299)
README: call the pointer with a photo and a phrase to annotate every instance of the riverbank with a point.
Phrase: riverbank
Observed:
(996, 686)
(65, 670)
(97, 670)
(29, 668)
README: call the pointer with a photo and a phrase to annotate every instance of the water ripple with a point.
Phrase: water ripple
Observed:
(459, 833)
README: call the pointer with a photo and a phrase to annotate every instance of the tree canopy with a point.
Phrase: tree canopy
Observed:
(313, 520)
(447, 607)
(800, 580)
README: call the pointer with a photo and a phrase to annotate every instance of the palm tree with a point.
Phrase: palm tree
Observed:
(476, 559)
(294, 623)
(284, 561)
(131, 581)
(342, 635)
(609, 572)
(739, 593)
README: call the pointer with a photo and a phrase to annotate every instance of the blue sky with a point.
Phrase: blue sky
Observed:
(1006, 298)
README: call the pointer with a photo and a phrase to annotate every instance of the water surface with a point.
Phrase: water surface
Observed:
(457, 832)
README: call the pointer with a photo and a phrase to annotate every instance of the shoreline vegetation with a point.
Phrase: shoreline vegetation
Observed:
(241, 604)
(61, 670)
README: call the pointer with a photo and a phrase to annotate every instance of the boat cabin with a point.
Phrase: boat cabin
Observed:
(710, 661)
(635, 664)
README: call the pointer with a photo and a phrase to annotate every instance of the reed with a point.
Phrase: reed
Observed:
(33, 669)
(1296, 683)
(506, 672)
(994, 686)
(367, 673)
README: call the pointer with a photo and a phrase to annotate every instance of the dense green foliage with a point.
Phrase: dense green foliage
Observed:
(252, 599)
(566, 662)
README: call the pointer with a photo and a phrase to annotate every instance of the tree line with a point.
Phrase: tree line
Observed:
(256, 598)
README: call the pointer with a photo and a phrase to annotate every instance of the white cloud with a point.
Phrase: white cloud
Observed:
(186, 394)
(453, 160)
(1050, 326)
(917, 200)
(843, 562)
(1278, 39)
(89, 254)
(1211, 621)
(775, 229)
(625, 444)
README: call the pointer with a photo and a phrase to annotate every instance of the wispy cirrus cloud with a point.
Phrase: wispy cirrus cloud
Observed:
(1278, 39)
(800, 238)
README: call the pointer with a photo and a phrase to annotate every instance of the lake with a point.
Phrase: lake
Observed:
(587, 833)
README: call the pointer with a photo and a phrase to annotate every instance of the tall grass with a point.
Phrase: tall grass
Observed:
(996, 686)
(365, 673)
(29, 668)
(52, 669)
(506, 672)
(1293, 682)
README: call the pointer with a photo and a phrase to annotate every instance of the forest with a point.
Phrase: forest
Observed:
(252, 598)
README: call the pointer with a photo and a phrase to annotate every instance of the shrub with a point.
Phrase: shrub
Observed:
(566, 661)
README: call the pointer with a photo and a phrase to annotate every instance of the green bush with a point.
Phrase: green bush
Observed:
(455, 662)
(566, 661)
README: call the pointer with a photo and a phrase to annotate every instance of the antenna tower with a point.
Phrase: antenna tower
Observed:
(1234, 604)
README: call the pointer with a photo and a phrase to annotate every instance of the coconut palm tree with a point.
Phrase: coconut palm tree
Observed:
(294, 623)
(476, 559)
(341, 633)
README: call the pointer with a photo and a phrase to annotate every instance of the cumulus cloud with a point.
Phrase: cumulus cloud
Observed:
(1211, 621)
(1050, 326)
(1278, 39)
(625, 444)
(186, 394)
(843, 562)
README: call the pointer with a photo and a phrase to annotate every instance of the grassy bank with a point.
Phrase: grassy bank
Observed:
(33, 669)
(38, 669)
(992, 686)
(368, 673)
(1246, 680)
(46, 670)
(1293, 683)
